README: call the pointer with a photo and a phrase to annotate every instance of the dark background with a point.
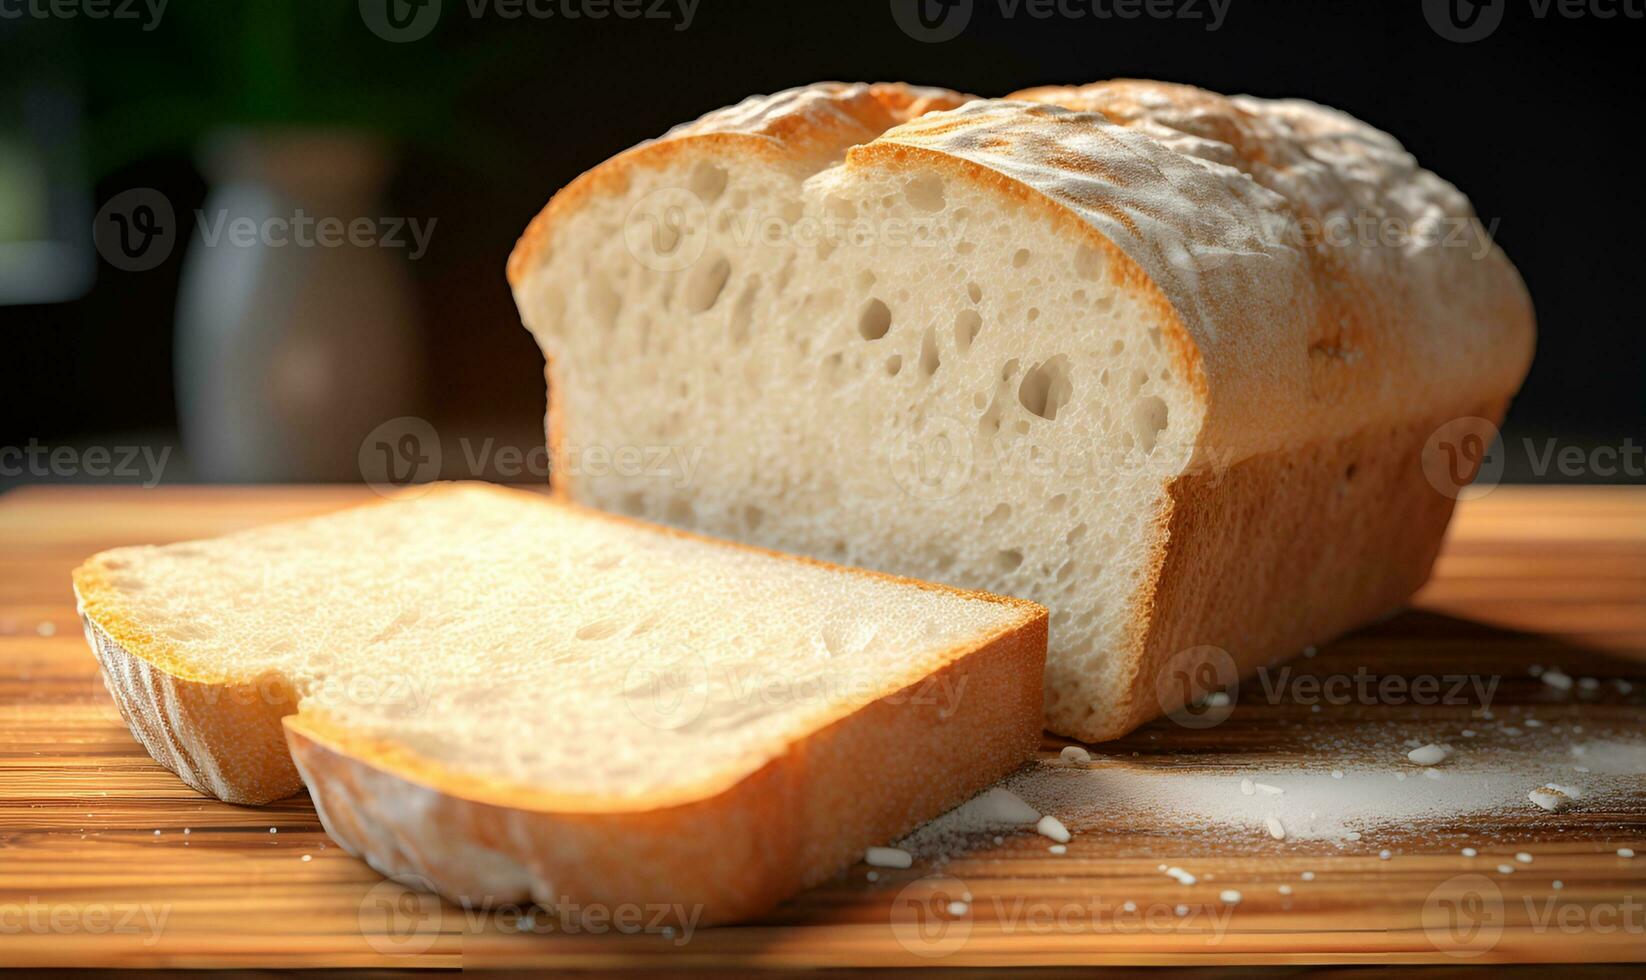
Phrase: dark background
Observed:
(1540, 124)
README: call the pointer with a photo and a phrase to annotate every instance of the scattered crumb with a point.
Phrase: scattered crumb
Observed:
(1285, 889)
(1470, 852)
(1050, 826)
(1505, 869)
(1059, 848)
(1075, 755)
(1384, 854)
(958, 909)
(1555, 798)
(1556, 680)
(888, 857)
(1523, 857)
(1427, 755)
(1625, 852)
(1229, 896)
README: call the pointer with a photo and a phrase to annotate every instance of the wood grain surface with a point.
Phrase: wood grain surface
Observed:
(107, 860)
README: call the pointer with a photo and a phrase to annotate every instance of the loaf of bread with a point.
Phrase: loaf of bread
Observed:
(509, 699)
(1162, 360)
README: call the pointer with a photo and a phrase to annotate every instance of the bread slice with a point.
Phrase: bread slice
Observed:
(516, 699)
(1162, 360)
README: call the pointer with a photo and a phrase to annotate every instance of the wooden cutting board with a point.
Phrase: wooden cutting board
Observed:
(106, 859)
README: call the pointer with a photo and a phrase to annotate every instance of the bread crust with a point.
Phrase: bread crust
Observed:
(1278, 552)
(797, 820)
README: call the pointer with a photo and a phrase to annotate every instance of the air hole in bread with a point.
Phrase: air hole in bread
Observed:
(875, 320)
(1088, 263)
(930, 358)
(1000, 514)
(603, 301)
(925, 193)
(1008, 559)
(680, 511)
(708, 181)
(1149, 420)
(743, 312)
(706, 281)
(1046, 387)
(967, 324)
(894, 364)
(600, 629)
(1020, 258)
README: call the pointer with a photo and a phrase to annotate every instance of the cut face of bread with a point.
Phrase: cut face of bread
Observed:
(499, 659)
(1076, 356)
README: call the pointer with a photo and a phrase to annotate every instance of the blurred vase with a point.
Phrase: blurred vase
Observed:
(293, 342)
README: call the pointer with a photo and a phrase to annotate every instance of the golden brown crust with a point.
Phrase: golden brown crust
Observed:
(810, 122)
(223, 739)
(861, 781)
(1284, 550)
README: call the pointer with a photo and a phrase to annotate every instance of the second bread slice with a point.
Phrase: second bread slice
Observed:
(516, 699)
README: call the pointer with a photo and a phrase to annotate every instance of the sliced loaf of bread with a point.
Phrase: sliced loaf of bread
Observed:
(512, 698)
(1165, 361)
